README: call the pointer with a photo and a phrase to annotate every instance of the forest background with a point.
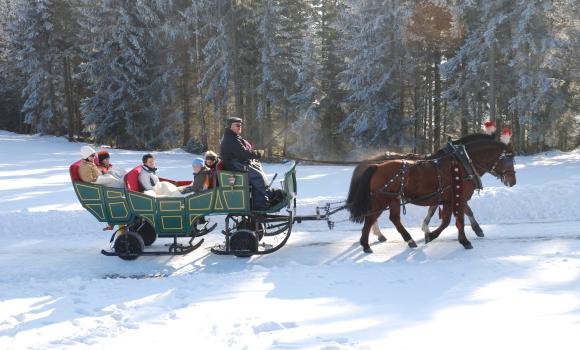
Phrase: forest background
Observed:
(324, 79)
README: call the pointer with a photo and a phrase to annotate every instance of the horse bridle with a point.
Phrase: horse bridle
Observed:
(504, 156)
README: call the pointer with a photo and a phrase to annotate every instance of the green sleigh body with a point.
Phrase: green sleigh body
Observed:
(173, 217)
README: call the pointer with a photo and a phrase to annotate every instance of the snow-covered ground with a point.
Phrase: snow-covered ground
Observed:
(518, 288)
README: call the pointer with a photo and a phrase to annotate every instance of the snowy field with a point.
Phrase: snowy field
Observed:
(519, 288)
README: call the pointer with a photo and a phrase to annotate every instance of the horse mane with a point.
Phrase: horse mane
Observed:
(466, 140)
(480, 139)
(474, 138)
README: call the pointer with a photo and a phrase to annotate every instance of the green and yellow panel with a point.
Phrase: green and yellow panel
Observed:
(171, 216)
(232, 196)
(200, 204)
(143, 206)
(104, 203)
(289, 187)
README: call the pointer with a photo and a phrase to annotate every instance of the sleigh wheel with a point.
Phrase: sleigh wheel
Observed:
(129, 245)
(144, 229)
(148, 234)
(244, 243)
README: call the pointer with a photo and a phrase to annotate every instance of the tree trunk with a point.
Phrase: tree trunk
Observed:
(517, 132)
(463, 103)
(416, 112)
(185, 91)
(430, 119)
(492, 96)
(286, 128)
(269, 134)
(68, 97)
(401, 109)
(437, 103)
(57, 119)
(238, 100)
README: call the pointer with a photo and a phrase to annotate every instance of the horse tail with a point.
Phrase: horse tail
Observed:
(359, 194)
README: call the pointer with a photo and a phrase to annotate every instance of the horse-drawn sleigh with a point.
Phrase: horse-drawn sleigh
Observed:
(448, 178)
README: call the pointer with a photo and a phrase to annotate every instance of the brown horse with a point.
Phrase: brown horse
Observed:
(449, 179)
(432, 209)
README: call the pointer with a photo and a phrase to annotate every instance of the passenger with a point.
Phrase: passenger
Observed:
(88, 171)
(111, 177)
(237, 155)
(211, 162)
(148, 176)
(201, 176)
(104, 162)
(150, 182)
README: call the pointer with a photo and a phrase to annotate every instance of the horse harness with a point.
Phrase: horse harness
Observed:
(505, 156)
(462, 169)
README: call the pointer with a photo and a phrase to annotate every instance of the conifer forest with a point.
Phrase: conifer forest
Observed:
(320, 79)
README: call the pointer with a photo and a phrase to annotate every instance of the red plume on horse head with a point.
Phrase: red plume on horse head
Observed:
(489, 127)
(506, 135)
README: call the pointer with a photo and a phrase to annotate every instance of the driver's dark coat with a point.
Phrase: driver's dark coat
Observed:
(234, 150)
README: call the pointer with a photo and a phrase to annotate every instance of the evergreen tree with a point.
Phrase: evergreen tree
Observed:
(375, 72)
(123, 107)
(12, 83)
(42, 36)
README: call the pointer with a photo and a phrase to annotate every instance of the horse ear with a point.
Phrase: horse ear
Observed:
(506, 135)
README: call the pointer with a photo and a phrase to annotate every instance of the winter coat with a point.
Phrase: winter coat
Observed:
(213, 174)
(147, 178)
(88, 171)
(234, 150)
(103, 169)
(200, 182)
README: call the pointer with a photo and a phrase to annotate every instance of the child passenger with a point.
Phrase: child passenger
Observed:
(201, 177)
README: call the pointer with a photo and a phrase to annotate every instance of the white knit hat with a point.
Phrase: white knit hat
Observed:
(86, 151)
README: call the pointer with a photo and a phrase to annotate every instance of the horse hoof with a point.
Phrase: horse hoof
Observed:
(478, 231)
(412, 244)
(382, 238)
(368, 250)
(467, 245)
(427, 239)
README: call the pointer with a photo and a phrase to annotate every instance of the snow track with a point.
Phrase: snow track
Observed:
(518, 288)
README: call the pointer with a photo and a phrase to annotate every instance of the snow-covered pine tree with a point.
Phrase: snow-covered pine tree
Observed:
(123, 107)
(327, 26)
(541, 66)
(281, 30)
(12, 83)
(374, 73)
(178, 47)
(43, 33)
(512, 66)
(306, 100)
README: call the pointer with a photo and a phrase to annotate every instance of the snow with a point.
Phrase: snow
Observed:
(518, 288)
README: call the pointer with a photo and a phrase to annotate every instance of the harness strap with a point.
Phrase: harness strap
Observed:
(402, 190)
(456, 186)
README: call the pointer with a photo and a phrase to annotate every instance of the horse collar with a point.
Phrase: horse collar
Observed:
(463, 157)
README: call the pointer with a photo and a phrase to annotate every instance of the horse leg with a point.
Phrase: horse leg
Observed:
(474, 224)
(460, 223)
(430, 212)
(395, 216)
(445, 220)
(377, 232)
(364, 238)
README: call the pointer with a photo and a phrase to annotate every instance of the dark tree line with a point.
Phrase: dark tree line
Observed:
(313, 78)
